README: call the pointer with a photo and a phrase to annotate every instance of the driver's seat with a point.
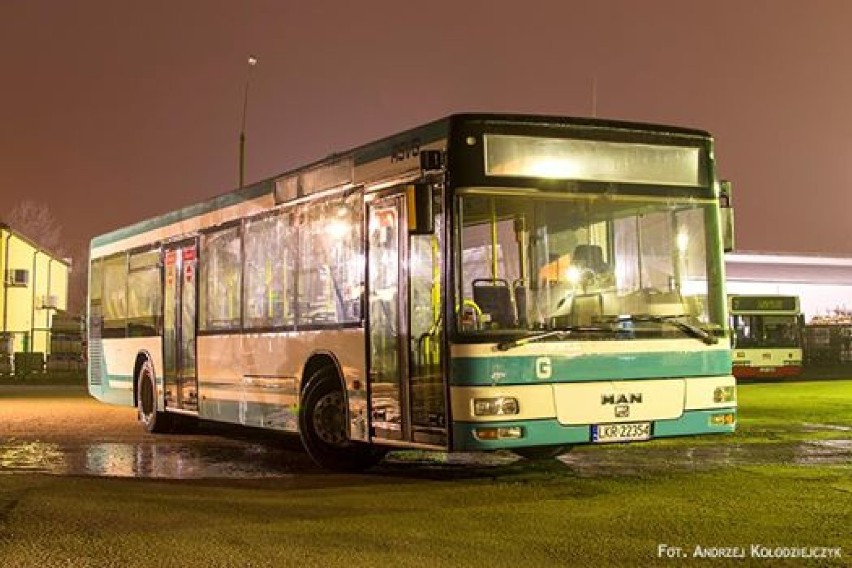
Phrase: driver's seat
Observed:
(589, 256)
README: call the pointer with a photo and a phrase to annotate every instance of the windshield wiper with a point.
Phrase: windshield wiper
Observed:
(688, 329)
(561, 333)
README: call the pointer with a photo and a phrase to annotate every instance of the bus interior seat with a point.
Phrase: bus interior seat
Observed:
(493, 297)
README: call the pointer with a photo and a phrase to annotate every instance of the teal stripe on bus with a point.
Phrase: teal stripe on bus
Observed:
(519, 370)
(109, 394)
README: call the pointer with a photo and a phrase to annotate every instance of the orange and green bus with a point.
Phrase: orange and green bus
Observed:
(767, 336)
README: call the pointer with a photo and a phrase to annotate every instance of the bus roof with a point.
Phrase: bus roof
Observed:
(429, 132)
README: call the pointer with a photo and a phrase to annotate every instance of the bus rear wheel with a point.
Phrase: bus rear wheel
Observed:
(323, 427)
(152, 420)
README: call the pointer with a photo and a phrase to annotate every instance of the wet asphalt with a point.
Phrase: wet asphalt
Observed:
(60, 431)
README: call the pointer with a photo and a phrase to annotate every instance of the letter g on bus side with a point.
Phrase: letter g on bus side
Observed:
(543, 368)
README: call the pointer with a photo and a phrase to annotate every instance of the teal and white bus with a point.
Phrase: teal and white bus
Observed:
(482, 282)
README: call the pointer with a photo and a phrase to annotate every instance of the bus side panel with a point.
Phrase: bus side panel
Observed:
(254, 379)
(111, 369)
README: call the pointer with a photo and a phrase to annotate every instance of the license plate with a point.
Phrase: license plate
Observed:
(621, 432)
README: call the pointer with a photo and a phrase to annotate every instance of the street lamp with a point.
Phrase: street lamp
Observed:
(252, 61)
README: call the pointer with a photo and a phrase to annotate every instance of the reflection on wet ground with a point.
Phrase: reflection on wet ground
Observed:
(197, 457)
(637, 461)
(173, 460)
(214, 452)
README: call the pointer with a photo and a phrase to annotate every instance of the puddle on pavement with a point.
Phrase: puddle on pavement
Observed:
(172, 460)
(199, 458)
(647, 460)
(30, 457)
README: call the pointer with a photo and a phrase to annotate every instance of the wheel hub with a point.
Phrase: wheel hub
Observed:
(329, 419)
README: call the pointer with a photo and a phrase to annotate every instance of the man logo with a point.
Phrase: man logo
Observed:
(622, 411)
(543, 368)
(621, 398)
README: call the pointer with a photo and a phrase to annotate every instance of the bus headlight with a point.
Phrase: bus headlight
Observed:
(497, 406)
(725, 394)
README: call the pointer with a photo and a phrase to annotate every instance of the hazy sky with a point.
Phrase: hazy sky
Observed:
(112, 111)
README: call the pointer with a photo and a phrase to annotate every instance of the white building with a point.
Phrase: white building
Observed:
(822, 282)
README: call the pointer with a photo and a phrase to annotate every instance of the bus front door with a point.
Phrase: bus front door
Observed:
(386, 321)
(180, 286)
(407, 391)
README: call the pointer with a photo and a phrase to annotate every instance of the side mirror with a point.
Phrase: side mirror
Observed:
(421, 217)
(726, 215)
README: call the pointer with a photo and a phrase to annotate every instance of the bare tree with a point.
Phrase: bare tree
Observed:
(34, 220)
(78, 281)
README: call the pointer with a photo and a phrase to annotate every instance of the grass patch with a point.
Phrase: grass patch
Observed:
(514, 515)
(44, 379)
(46, 391)
(532, 518)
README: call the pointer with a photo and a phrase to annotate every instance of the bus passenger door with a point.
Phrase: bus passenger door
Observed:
(180, 286)
(386, 329)
(407, 394)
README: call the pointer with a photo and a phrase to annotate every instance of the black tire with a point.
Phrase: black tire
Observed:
(541, 453)
(323, 427)
(153, 420)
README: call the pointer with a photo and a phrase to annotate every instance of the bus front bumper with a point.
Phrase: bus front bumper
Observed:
(505, 435)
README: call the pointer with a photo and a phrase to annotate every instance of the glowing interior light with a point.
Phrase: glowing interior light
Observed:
(338, 229)
(560, 168)
(682, 240)
(573, 274)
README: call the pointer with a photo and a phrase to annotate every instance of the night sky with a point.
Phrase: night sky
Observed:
(113, 111)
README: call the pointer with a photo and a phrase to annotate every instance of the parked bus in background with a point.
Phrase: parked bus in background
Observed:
(481, 282)
(767, 336)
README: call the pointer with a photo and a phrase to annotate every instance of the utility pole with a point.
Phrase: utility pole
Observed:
(252, 61)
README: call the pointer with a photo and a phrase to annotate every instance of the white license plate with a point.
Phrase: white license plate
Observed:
(621, 432)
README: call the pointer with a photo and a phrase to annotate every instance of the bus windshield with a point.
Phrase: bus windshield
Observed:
(530, 262)
(766, 331)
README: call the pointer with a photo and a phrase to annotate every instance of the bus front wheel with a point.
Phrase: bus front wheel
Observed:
(151, 419)
(323, 426)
